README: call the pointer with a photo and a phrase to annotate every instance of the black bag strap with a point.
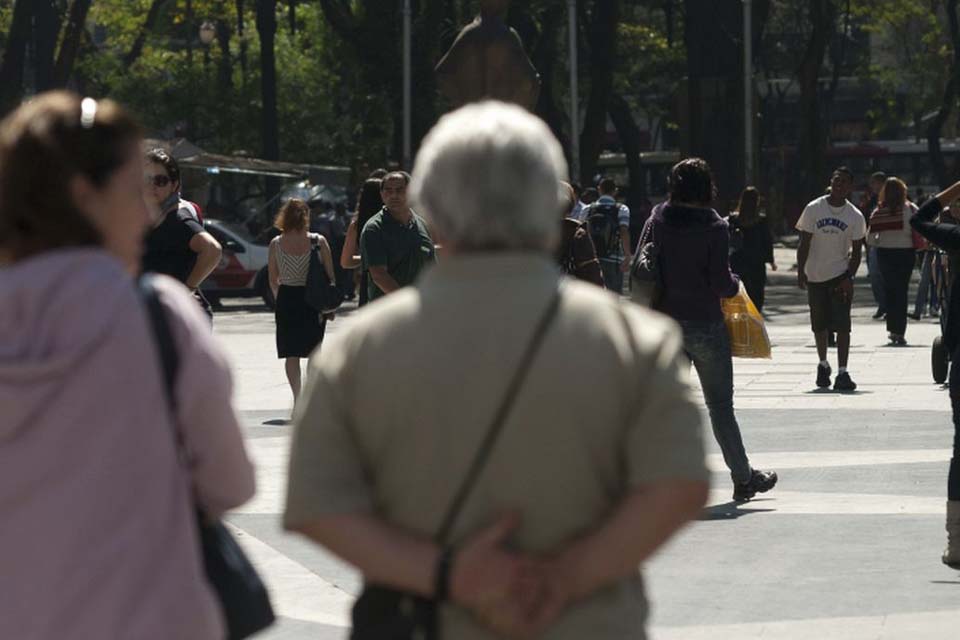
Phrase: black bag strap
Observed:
(499, 420)
(162, 336)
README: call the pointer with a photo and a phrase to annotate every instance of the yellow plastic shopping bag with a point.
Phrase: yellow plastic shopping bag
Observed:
(748, 334)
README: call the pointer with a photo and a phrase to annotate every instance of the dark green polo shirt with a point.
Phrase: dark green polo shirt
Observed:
(404, 249)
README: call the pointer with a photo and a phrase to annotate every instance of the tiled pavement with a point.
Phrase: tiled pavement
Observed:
(847, 546)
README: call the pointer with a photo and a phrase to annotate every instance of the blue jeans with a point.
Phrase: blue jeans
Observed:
(927, 286)
(876, 278)
(612, 275)
(708, 347)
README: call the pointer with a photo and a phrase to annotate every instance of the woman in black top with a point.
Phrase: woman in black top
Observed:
(369, 204)
(947, 237)
(749, 259)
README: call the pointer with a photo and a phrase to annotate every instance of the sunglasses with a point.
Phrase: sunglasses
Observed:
(157, 181)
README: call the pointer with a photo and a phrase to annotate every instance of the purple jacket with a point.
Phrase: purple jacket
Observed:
(694, 261)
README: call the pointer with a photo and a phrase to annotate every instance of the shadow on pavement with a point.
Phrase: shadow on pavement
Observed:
(827, 390)
(729, 511)
(277, 422)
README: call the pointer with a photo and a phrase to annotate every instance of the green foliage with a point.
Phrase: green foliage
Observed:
(911, 61)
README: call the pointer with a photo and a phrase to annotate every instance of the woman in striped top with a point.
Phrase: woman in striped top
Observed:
(299, 326)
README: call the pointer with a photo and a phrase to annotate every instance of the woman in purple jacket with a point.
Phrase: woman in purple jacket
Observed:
(693, 242)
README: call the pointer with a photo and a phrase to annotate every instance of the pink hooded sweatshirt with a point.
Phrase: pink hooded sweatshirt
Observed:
(97, 534)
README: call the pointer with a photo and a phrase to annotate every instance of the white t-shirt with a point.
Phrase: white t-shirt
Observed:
(834, 230)
(896, 238)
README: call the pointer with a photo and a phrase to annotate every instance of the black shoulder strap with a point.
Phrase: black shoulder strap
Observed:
(162, 337)
(500, 418)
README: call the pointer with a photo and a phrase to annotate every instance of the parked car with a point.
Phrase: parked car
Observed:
(242, 272)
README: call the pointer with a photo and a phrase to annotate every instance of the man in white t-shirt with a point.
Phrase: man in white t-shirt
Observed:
(831, 245)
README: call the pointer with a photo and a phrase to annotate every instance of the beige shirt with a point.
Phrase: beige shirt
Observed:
(395, 409)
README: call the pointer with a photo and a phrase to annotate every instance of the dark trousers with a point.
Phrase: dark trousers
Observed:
(896, 265)
(953, 479)
(612, 276)
(754, 277)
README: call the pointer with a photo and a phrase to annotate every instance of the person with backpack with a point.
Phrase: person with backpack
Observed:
(576, 254)
(608, 222)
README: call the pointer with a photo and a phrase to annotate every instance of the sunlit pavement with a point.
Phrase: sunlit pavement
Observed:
(846, 546)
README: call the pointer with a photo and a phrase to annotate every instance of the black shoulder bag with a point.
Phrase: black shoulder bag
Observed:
(383, 613)
(321, 294)
(646, 279)
(242, 595)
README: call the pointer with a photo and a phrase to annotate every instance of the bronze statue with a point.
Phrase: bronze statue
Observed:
(487, 60)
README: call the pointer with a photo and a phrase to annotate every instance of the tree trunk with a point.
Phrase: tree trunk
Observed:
(603, 58)
(813, 136)
(292, 15)
(149, 23)
(225, 66)
(267, 28)
(70, 46)
(712, 110)
(46, 32)
(949, 100)
(11, 68)
(241, 33)
(629, 134)
(545, 56)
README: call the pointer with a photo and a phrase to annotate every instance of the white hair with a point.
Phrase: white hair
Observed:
(486, 177)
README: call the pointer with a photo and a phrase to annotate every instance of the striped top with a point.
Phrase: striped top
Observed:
(292, 268)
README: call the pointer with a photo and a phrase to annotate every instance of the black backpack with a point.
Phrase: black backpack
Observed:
(603, 222)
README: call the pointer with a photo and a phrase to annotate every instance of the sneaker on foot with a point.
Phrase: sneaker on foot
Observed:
(879, 314)
(914, 316)
(823, 376)
(759, 482)
(844, 383)
(898, 341)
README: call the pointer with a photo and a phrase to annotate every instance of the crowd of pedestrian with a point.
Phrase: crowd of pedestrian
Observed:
(491, 442)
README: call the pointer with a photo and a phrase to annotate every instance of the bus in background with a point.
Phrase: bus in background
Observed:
(654, 168)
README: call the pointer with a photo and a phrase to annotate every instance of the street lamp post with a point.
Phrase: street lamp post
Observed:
(574, 95)
(748, 91)
(407, 72)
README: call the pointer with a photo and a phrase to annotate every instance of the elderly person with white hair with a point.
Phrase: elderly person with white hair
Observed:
(448, 444)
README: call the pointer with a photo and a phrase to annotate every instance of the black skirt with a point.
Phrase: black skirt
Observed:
(299, 326)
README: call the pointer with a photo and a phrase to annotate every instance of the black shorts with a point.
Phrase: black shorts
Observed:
(828, 311)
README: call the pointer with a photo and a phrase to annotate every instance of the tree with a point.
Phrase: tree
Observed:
(11, 67)
(949, 101)
(602, 63)
(813, 135)
(267, 29)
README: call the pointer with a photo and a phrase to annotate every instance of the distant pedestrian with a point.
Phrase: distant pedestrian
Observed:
(300, 327)
(608, 222)
(889, 232)
(369, 203)
(750, 260)
(582, 482)
(947, 237)
(831, 245)
(694, 261)
(576, 254)
(586, 198)
(395, 244)
(177, 245)
(874, 187)
(97, 504)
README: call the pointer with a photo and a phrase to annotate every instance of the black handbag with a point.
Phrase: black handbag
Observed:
(383, 613)
(321, 294)
(243, 597)
(646, 279)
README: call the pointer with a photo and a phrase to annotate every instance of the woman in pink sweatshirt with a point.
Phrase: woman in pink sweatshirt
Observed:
(97, 533)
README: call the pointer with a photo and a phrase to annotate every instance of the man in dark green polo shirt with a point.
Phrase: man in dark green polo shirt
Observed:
(395, 244)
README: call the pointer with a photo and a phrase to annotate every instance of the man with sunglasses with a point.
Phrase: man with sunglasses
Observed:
(177, 245)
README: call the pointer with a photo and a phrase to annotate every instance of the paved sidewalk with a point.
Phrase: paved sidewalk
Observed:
(847, 546)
